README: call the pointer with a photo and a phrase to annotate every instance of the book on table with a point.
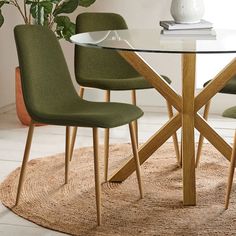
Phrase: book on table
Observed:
(202, 30)
(190, 32)
(171, 25)
(187, 37)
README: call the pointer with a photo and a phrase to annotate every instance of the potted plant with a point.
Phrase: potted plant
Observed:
(49, 13)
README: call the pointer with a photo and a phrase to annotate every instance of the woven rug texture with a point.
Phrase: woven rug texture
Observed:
(71, 208)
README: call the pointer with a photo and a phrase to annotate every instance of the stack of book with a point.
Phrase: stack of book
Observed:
(203, 29)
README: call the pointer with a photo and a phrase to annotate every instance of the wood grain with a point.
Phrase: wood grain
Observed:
(188, 147)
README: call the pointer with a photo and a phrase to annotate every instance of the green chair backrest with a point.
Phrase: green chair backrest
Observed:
(46, 81)
(92, 63)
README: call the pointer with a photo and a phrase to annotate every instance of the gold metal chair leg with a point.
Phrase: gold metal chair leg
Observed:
(74, 129)
(67, 154)
(201, 137)
(174, 136)
(96, 173)
(106, 141)
(25, 160)
(81, 91)
(73, 138)
(134, 102)
(136, 156)
(231, 174)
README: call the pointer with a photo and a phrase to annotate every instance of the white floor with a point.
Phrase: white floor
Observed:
(49, 140)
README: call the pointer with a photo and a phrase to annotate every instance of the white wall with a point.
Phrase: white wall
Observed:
(222, 14)
(8, 57)
(138, 14)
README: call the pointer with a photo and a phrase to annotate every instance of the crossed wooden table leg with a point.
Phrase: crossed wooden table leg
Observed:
(188, 118)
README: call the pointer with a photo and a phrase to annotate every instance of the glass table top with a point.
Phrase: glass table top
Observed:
(151, 40)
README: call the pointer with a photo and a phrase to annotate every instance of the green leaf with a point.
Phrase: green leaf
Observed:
(37, 12)
(54, 1)
(29, 2)
(64, 27)
(47, 7)
(69, 31)
(1, 18)
(34, 9)
(66, 7)
(62, 20)
(86, 3)
(2, 3)
(40, 11)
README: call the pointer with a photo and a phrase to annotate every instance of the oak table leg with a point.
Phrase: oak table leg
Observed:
(189, 188)
(187, 106)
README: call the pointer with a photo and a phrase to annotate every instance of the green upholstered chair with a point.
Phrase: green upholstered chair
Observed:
(231, 173)
(50, 98)
(230, 88)
(230, 112)
(106, 69)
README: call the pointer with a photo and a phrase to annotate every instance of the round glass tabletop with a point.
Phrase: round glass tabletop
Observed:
(152, 40)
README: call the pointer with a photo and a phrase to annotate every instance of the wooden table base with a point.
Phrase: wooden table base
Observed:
(188, 118)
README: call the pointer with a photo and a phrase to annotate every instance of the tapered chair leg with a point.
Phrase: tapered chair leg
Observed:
(231, 173)
(106, 141)
(134, 102)
(73, 138)
(81, 91)
(67, 154)
(74, 129)
(96, 173)
(25, 160)
(201, 137)
(174, 136)
(136, 157)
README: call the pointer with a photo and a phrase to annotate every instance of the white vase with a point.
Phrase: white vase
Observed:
(187, 11)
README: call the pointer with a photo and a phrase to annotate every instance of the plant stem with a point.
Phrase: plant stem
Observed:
(39, 13)
(29, 18)
(51, 17)
(25, 12)
(15, 3)
(50, 21)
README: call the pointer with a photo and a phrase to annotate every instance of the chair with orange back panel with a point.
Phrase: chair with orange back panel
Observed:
(45, 78)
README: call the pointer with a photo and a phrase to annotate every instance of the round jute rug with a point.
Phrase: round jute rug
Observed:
(71, 208)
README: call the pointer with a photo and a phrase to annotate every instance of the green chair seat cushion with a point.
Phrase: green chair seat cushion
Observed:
(230, 112)
(230, 87)
(119, 84)
(89, 114)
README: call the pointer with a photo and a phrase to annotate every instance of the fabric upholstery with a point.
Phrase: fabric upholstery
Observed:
(230, 112)
(100, 68)
(230, 87)
(49, 94)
